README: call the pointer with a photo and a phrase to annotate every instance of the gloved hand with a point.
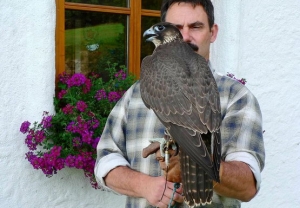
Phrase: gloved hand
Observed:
(172, 173)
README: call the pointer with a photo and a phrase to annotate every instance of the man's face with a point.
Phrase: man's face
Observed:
(193, 25)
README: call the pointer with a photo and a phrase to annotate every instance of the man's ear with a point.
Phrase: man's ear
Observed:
(214, 33)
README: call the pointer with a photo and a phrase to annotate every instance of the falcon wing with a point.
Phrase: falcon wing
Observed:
(183, 94)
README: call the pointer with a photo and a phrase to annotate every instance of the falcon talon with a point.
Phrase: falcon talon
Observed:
(167, 158)
(174, 146)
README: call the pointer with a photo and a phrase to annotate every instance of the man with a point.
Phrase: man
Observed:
(120, 166)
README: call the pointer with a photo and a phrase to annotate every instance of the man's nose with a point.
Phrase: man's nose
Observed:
(186, 35)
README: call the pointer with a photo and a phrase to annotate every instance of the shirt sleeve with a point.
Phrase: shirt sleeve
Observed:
(241, 128)
(111, 149)
(250, 160)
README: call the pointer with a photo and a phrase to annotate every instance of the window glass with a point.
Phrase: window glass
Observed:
(147, 47)
(117, 3)
(151, 4)
(92, 39)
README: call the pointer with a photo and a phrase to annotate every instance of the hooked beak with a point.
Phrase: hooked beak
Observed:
(149, 34)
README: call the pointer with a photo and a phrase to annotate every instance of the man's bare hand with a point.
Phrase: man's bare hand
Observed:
(160, 192)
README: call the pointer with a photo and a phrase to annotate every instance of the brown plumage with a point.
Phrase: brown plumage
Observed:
(177, 84)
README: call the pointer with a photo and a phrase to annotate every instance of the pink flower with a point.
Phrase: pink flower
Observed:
(76, 80)
(39, 136)
(30, 141)
(101, 94)
(46, 122)
(25, 127)
(63, 78)
(70, 161)
(120, 75)
(87, 86)
(79, 162)
(81, 106)
(62, 93)
(68, 109)
(77, 142)
(114, 96)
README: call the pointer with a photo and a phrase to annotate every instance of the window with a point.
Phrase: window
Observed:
(91, 32)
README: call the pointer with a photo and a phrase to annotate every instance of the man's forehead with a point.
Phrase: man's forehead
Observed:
(186, 14)
(192, 24)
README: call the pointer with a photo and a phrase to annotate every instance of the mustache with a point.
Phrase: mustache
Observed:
(193, 46)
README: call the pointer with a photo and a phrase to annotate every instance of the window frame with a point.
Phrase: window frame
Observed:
(134, 12)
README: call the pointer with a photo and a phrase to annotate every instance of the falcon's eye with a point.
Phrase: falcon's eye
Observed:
(159, 27)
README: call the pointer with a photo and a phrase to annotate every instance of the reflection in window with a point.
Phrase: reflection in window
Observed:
(117, 3)
(151, 4)
(147, 47)
(92, 39)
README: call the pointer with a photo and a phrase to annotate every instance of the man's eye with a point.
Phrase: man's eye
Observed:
(197, 26)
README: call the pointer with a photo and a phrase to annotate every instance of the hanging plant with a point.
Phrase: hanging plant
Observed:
(69, 137)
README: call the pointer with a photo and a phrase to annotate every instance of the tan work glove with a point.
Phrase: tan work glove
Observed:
(173, 173)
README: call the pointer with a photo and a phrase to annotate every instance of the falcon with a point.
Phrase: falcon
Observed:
(178, 85)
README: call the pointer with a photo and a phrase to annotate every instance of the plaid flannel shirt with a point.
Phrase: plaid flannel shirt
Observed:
(130, 125)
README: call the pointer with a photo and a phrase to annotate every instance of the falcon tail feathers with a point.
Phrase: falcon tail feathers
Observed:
(197, 185)
(198, 153)
(217, 153)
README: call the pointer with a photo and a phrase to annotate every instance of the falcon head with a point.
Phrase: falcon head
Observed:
(162, 33)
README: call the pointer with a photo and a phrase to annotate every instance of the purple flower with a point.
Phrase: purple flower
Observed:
(39, 136)
(76, 80)
(24, 127)
(49, 159)
(91, 114)
(82, 125)
(70, 161)
(81, 106)
(68, 109)
(55, 151)
(101, 94)
(46, 122)
(71, 127)
(87, 136)
(87, 86)
(95, 142)
(63, 78)
(59, 164)
(90, 165)
(79, 162)
(77, 142)
(94, 123)
(120, 75)
(36, 162)
(230, 75)
(114, 96)
(243, 80)
(30, 141)
(47, 170)
(62, 93)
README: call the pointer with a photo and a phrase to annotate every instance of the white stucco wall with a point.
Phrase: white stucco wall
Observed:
(258, 40)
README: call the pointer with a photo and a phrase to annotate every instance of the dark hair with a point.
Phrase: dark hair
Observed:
(207, 5)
